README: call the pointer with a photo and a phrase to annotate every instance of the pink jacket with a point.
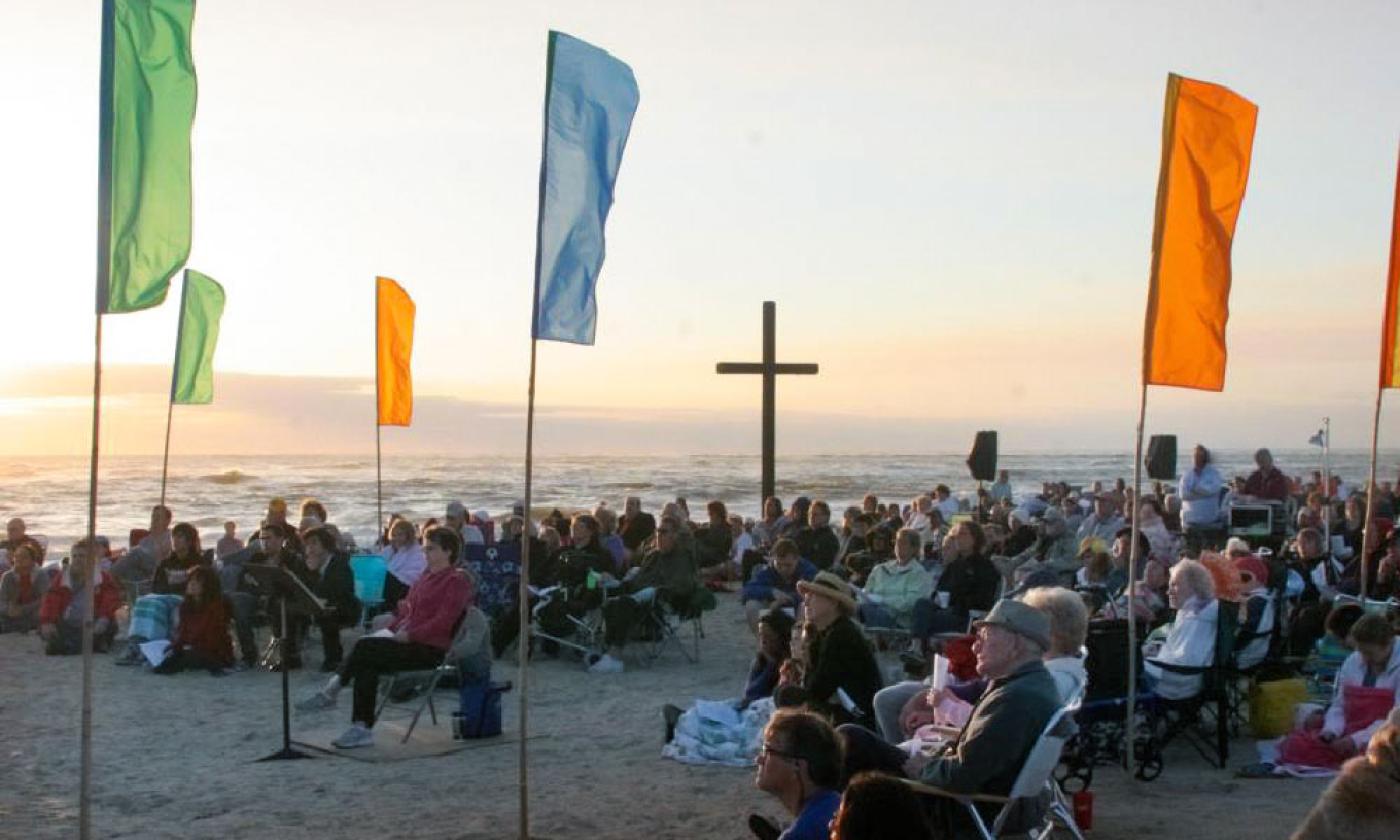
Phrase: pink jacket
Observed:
(433, 605)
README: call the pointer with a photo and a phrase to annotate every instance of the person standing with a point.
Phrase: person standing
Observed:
(1201, 489)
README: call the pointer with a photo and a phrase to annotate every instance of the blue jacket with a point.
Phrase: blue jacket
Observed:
(765, 582)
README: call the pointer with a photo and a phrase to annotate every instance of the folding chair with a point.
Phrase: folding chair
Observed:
(469, 634)
(370, 572)
(1214, 696)
(667, 619)
(1030, 783)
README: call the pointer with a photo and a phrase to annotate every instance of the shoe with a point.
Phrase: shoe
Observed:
(330, 666)
(672, 715)
(131, 657)
(1262, 770)
(606, 664)
(320, 701)
(356, 736)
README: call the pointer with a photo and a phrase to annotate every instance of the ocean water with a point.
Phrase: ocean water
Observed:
(51, 493)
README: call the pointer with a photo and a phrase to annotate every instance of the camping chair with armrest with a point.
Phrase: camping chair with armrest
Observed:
(668, 619)
(1036, 773)
(1213, 698)
(370, 572)
(469, 634)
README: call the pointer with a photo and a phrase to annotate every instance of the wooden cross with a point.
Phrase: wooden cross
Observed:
(770, 369)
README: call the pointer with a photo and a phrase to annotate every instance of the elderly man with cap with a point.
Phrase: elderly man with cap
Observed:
(987, 754)
(841, 676)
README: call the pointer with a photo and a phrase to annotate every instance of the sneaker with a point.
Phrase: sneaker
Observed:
(132, 656)
(356, 736)
(320, 701)
(606, 665)
(330, 666)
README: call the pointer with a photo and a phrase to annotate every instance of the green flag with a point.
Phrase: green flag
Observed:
(201, 304)
(147, 111)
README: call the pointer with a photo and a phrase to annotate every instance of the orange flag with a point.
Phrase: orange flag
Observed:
(1207, 137)
(1390, 364)
(393, 375)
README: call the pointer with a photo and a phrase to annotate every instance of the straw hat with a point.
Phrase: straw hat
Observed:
(830, 586)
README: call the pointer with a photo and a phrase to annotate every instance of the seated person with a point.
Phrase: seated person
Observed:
(774, 649)
(139, 564)
(893, 587)
(22, 590)
(879, 547)
(1069, 627)
(876, 806)
(840, 677)
(667, 571)
(277, 545)
(799, 764)
(1190, 639)
(987, 754)
(713, 542)
(229, 543)
(743, 544)
(775, 584)
(1330, 652)
(970, 581)
(327, 574)
(1257, 623)
(153, 616)
(422, 630)
(816, 542)
(63, 610)
(201, 639)
(1367, 690)
(405, 559)
(1053, 552)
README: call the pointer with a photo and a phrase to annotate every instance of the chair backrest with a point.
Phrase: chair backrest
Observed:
(1043, 757)
(369, 571)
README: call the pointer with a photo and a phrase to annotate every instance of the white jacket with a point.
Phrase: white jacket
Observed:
(1190, 642)
(1353, 672)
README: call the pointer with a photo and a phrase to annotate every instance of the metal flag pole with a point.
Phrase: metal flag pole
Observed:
(1129, 729)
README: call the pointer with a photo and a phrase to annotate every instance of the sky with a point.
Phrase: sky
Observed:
(950, 203)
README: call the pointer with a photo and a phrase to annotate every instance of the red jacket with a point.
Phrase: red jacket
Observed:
(105, 599)
(205, 631)
(433, 605)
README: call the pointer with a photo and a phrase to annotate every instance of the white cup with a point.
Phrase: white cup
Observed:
(943, 599)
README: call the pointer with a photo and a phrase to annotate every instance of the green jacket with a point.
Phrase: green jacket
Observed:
(673, 571)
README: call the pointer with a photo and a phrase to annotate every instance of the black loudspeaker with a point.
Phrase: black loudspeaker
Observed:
(983, 460)
(1161, 458)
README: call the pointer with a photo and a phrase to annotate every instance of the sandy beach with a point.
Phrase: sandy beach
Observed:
(175, 758)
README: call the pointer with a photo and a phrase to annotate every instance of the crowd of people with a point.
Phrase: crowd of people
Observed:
(1004, 585)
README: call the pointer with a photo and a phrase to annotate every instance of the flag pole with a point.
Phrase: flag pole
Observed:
(523, 656)
(1129, 732)
(1327, 482)
(1370, 494)
(104, 243)
(165, 462)
(378, 433)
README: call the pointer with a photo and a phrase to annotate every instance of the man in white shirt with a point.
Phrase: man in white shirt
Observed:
(944, 501)
(1200, 492)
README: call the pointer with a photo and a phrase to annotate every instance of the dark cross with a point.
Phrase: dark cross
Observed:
(770, 369)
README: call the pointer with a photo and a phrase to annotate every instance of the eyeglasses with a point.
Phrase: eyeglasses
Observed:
(768, 750)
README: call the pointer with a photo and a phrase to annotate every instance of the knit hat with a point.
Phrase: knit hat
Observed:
(1020, 618)
(830, 586)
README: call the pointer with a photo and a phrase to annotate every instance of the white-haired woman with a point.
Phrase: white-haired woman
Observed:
(1190, 638)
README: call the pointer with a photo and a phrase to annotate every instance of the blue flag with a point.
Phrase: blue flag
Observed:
(590, 98)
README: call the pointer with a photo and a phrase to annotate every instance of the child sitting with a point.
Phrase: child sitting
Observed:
(1331, 651)
(201, 639)
(1365, 692)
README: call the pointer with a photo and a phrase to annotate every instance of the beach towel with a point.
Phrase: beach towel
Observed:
(715, 732)
(154, 617)
(497, 572)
